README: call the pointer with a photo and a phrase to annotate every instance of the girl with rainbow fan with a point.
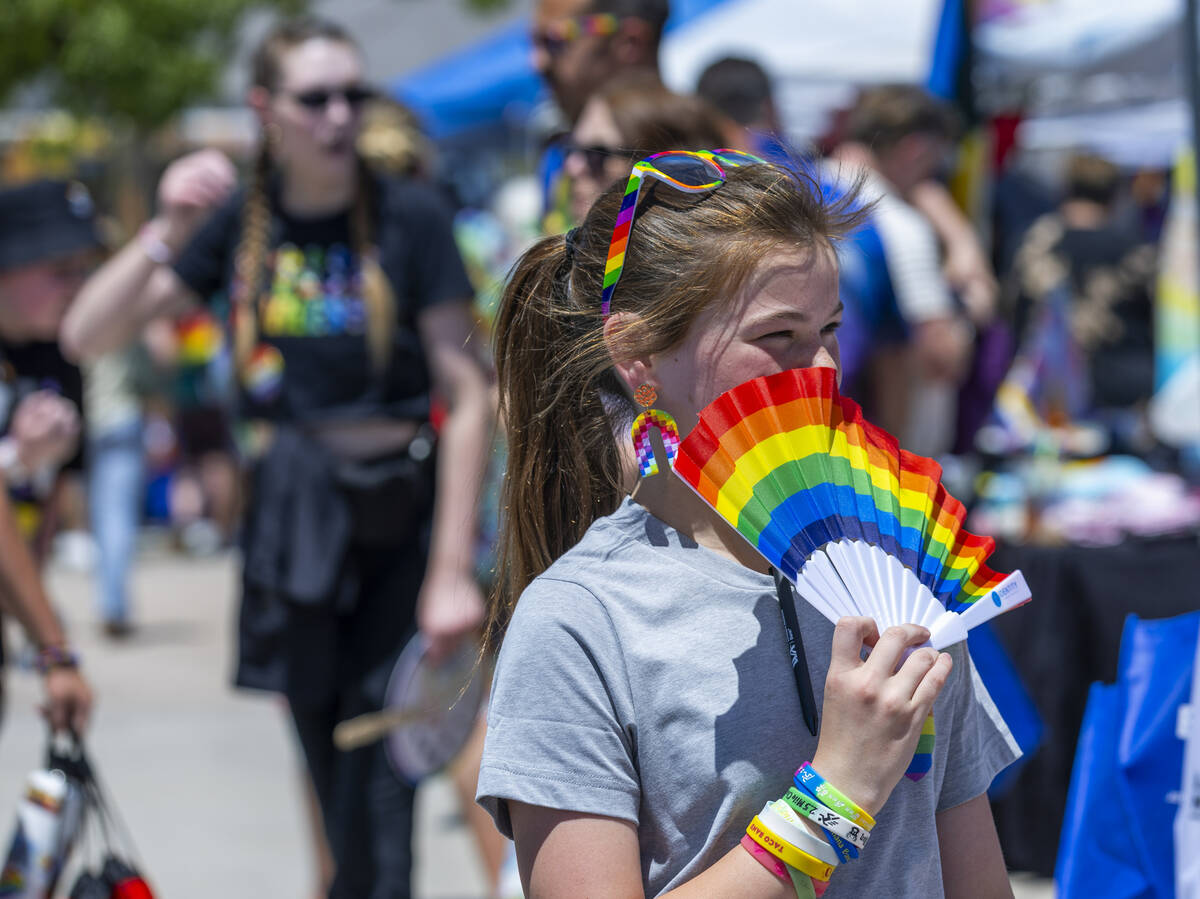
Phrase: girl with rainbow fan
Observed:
(648, 734)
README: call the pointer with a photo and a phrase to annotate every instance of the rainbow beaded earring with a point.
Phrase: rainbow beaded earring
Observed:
(646, 396)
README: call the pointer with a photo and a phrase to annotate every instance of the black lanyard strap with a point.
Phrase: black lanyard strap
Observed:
(795, 642)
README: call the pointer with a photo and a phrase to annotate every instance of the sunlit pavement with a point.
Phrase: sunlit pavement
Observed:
(207, 778)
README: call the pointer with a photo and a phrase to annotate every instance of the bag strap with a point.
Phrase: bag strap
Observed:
(74, 763)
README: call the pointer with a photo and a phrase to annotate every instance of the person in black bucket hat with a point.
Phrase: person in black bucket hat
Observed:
(48, 245)
(45, 219)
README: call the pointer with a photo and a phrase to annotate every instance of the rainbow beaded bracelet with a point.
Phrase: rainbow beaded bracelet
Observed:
(51, 658)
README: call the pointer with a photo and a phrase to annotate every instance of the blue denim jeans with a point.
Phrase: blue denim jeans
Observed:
(115, 482)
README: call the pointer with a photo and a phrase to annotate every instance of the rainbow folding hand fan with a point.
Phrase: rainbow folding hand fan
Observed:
(860, 526)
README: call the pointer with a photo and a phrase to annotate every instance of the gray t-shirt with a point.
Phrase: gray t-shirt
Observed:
(647, 678)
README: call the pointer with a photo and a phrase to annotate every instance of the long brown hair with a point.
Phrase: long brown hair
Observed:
(254, 246)
(561, 400)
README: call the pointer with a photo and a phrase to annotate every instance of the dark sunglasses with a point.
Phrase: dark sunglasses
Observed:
(319, 97)
(595, 155)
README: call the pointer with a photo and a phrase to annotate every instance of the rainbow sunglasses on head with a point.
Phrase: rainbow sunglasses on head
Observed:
(555, 37)
(692, 171)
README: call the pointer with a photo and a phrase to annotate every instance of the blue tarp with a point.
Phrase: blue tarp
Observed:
(492, 81)
(1117, 839)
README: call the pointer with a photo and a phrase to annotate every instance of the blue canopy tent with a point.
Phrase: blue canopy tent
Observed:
(484, 83)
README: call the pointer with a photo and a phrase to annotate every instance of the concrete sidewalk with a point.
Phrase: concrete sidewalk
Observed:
(208, 778)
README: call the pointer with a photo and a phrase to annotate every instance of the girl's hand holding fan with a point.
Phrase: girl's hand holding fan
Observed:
(874, 709)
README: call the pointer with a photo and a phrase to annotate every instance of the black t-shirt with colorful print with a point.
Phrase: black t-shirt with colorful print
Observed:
(312, 362)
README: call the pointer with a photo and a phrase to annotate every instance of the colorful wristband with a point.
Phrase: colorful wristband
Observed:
(805, 886)
(53, 657)
(827, 818)
(842, 851)
(766, 859)
(786, 852)
(785, 824)
(809, 780)
(846, 851)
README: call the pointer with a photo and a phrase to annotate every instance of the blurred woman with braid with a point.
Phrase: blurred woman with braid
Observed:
(350, 308)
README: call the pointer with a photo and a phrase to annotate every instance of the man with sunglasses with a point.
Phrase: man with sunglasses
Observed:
(580, 44)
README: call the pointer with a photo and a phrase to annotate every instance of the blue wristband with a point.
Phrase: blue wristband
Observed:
(810, 781)
(845, 850)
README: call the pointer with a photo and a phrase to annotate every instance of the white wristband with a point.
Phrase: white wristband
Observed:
(153, 246)
(10, 462)
(827, 819)
(797, 834)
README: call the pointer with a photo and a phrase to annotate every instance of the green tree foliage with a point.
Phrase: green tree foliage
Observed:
(137, 61)
(487, 6)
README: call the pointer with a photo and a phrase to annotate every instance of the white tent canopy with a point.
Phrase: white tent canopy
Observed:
(1105, 75)
(1074, 35)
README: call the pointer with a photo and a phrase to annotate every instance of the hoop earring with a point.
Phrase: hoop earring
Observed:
(646, 396)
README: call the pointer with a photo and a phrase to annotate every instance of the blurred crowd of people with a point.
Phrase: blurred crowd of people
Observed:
(268, 362)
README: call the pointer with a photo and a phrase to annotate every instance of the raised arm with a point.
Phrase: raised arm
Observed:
(138, 284)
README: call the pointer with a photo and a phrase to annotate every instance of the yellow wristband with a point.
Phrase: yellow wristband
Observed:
(787, 853)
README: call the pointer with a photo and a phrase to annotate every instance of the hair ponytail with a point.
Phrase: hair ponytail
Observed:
(378, 296)
(563, 470)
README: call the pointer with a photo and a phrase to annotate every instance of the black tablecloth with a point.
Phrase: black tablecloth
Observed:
(1064, 640)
